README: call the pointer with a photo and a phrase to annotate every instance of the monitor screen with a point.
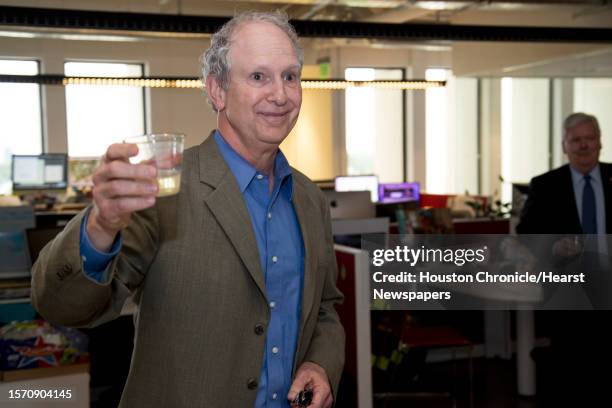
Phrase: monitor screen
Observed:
(14, 254)
(399, 192)
(358, 183)
(40, 172)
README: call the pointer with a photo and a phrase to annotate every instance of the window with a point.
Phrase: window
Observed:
(98, 116)
(525, 130)
(20, 117)
(594, 96)
(451, 134)
(374, 119)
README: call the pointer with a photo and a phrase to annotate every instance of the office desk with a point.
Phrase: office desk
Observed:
(481, 225)
(473, 226)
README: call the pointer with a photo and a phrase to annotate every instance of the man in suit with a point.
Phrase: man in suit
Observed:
(234, 277)
(575, 199)
(556, 200)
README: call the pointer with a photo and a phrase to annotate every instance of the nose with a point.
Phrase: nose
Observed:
(278, 93)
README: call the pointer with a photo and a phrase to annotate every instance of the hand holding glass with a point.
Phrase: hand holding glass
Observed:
(165, 152)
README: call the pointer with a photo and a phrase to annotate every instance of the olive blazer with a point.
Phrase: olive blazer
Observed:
(191, 264)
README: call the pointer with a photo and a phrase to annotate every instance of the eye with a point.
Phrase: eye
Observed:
(291, 77)
(257, 76)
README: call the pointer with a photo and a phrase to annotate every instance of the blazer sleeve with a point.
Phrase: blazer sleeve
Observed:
(531, 215)
(327, 344)
(63, 294)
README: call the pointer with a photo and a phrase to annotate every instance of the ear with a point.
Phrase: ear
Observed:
(215, 92)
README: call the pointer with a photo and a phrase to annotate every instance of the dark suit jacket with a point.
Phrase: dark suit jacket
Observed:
(193, 266)
(580, 339)
(551, 205)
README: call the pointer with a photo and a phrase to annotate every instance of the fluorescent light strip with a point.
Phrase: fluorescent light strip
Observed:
(195, 83)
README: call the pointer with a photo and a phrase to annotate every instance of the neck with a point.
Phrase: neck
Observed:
(259, 155)
(584, 170)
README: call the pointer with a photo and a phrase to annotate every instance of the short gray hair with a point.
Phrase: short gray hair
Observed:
(215, 60)
(579, 118)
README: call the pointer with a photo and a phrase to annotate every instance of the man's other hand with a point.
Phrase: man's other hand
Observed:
(312, 376)
(567, 247)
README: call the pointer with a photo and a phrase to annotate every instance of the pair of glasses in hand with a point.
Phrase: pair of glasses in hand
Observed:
(303, 398)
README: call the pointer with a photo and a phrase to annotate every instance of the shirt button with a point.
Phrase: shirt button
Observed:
(274, 396)
(274, 259)
(272, 304)
(259, 176)
(269, 215)
(274, 350)
(251, 383)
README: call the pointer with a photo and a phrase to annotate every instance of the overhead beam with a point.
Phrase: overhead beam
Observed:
(61, 19)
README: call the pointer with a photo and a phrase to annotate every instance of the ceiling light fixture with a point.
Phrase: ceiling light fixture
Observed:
(196, 83)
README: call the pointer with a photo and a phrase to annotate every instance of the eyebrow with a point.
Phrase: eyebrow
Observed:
(265, 68)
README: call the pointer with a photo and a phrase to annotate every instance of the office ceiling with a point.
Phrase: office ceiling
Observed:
(517, 13)
(558, 13)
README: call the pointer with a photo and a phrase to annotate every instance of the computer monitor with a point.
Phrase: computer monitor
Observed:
(350, 204)
(358, 183)
(40, 172)
(389, 193)
(16, 261)
(14, 254)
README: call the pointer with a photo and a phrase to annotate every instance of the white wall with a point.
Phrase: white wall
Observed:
(501, 58)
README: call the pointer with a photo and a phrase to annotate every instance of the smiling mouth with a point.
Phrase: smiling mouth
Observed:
(274, 118)
(274, 114)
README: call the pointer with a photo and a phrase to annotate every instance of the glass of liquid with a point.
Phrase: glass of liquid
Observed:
(165, 152)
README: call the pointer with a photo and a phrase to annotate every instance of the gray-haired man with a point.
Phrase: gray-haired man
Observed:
(556, 202)
(575, 199)
(234, 276)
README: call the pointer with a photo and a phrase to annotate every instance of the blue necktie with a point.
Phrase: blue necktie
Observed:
(589, 213)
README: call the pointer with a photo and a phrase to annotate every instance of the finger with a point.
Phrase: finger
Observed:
(319, 396)
(121, 170)
(120, 151)
(125, 205)
(329, 401)
(124, 188)
(298, 385)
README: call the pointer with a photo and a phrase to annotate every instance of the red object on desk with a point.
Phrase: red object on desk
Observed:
(441, 200)
(436, 336)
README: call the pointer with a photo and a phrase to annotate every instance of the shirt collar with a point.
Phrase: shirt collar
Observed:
(577, 176)
(244, 171)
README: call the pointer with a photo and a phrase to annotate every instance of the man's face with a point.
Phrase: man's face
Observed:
(582, 145)
(264, 96)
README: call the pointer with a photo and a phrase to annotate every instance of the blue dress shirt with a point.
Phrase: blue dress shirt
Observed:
(95, 263)
(281, 253)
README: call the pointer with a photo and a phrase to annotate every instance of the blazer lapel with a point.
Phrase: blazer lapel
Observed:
(227, 205)
(306, 212)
